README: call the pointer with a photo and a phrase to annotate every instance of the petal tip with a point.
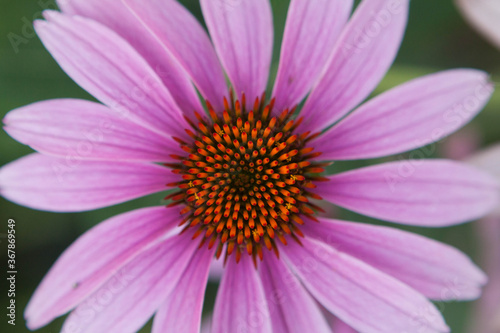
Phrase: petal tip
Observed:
(5, 120)
(480, 277)
(32, 322)
(51, 14)
(39, 25)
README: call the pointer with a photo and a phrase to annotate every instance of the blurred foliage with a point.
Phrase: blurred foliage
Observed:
(437, 38)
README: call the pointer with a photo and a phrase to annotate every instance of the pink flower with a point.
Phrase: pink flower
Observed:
(484, 15)
(464, 145)
(487, 312)
(245, 172)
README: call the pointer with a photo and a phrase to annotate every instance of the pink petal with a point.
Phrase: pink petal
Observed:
(182, 310)
(206, 325)
(292, 309)
(362, 57)
(72, 185)
(363, 297)
(485, 16)
(144, 285)
(312, 29)
(116, 16)
(241, 305)
(242, 32)
(94, 258)
(86, 130)
(340, 327)
(412, 115)
(419, 192)
(106, 66)
(488, 160)
(216, 270)
(436, 270)
(184, 37)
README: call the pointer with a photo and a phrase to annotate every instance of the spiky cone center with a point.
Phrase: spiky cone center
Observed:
(247, 178)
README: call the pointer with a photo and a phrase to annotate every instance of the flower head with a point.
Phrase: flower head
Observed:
(246, 178)
(243, 173)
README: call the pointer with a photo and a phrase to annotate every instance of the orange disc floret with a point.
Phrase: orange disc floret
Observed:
(246, 178)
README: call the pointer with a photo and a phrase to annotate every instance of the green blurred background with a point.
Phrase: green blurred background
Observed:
(437, 38)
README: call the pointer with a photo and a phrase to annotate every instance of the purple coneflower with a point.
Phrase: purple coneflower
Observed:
(244, 169)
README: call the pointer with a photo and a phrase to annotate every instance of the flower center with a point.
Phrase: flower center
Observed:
(247, 178)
